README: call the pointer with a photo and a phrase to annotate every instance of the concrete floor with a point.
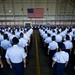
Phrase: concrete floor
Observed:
(43, 60)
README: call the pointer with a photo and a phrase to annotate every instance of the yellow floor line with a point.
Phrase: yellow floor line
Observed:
(37, 58)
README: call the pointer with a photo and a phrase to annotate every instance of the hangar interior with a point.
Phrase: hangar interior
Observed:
(56, 12)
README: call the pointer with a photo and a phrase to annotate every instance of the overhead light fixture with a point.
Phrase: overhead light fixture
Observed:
(9, 11)
(9, 7)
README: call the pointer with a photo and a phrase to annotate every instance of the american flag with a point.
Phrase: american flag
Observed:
(36, 12)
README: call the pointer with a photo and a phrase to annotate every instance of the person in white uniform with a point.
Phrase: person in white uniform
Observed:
(12, 36)
(5, 44)
(60, 61)
(44, 35)
(23, 42)
(47, 41)
(1, 36)
(52, 48)
(26, 37)
(16, 58)
(58, 38)
(68, 44)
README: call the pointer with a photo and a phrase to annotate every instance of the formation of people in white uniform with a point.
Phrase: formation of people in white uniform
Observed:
(14, 43)
(59, 43)
(7, 34)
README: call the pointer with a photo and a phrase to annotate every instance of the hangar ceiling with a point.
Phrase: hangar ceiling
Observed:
(53, 9)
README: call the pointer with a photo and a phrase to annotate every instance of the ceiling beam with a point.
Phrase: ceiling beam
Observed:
(2, 1)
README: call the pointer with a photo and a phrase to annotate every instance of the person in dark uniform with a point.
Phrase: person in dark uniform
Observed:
(16, 58)
(60, 61)
(1, 66)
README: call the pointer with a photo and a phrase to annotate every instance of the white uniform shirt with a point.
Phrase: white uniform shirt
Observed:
(22, 42)
(1, 38)
(44, 36)
(21, 31)
(58, 38)
(71, 33)
(30, 31)
(53, 34)
(48, 31)
(28, 34)
(40, 30)
(63, 34)
(17, 34)
(68, 44)
(6, 32)
(53, 45)
(73, 29)
(11, 37)
(48, 40)
(15, 54)
(61, 57)
(26, 37)
(5, 44)
(42, 33)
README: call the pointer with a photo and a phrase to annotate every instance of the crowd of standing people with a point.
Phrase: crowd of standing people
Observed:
(59, 45)
(14, 44)
(58, 41)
